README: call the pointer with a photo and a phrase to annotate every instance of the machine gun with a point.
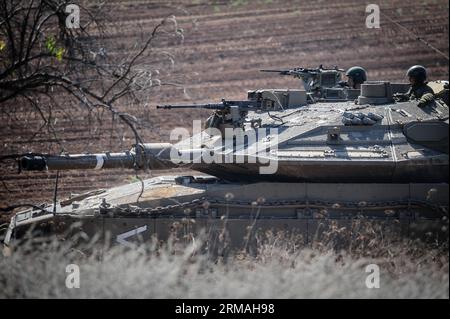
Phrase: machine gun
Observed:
(227, 113)
(246, 105)
(231, 113)
(315, 80)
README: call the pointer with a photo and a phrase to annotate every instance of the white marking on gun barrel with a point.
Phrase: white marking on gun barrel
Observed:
(100, 161)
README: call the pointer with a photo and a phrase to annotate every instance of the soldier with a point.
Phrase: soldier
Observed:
(356, 76)
(419, 89)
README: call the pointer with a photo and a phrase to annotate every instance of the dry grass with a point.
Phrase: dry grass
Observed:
(282, 267)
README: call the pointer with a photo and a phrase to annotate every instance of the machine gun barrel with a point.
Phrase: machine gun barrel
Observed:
(297, 72)
(304, 71)
(225, 104)
(218, 106)
(282, 72)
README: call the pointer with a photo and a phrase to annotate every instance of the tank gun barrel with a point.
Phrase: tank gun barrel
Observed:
(141, 156)
(77, 161)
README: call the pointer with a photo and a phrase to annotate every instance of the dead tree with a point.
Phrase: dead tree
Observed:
(44, 53)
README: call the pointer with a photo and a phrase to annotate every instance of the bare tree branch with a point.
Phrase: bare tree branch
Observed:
(41, 56)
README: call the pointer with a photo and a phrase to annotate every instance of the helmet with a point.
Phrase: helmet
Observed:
(417, 72)
(357, 73)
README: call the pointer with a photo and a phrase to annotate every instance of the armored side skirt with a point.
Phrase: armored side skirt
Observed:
(235, 212)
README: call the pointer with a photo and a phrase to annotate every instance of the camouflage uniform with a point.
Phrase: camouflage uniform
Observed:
(422, 92)
(443, 94)
(419, 89)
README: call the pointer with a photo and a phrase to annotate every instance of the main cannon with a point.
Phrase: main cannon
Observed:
(141, 156)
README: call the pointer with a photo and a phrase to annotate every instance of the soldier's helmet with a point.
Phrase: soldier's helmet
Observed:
(358, 74)
(417, 72)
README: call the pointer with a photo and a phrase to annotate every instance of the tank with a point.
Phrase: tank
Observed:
(281, 159)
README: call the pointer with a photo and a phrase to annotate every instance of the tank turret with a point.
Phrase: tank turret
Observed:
(377, 140)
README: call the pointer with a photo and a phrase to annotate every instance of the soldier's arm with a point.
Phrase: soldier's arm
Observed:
(425, 99)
